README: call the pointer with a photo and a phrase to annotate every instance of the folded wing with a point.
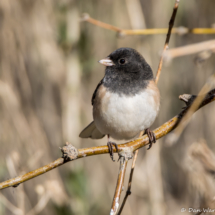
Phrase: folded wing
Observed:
(91, 132)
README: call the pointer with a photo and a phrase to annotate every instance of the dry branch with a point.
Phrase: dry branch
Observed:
(85, 152)
(178, 30)
(171, 23)
(119, 185)
(128, 192)
(86, 17)
(123, 32)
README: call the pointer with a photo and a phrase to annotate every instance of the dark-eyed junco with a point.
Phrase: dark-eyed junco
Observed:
(126, 101)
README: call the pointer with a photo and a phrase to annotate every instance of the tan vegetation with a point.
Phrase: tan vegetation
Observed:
(48, 71)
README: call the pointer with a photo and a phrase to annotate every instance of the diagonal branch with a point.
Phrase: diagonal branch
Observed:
(132, 146)
(86, 17)
(171, 23)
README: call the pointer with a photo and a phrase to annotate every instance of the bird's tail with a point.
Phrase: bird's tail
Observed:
(91, 132)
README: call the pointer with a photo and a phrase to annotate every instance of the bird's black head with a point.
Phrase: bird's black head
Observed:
(126, 71)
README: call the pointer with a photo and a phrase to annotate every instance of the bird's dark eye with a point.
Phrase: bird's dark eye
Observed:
(122, 61)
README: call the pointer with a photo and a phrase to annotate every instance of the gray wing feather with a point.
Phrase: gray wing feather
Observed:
(94, 94)
(91, 132)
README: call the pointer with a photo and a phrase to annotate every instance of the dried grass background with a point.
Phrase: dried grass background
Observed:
(48, 72)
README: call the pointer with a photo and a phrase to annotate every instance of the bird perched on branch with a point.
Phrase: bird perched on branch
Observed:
(126, 101)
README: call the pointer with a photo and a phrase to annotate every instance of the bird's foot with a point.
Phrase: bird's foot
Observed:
(152, 138)
(110, 147)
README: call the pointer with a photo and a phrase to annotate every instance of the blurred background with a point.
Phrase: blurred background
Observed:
(48, 72)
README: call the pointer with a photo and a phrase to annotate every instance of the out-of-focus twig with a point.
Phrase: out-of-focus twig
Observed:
(86, 17)
(10, 206)
(123, 32)
(190, 49)
(40, 205)
(203, 56)
(171, 23)
(177, 30)
(119, 185)
(136, 14)
(195, 105)
(133, 146)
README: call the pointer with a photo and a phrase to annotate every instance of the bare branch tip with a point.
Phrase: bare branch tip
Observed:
(84, 17)
(183, 98)
(187, 98)
(121, 34)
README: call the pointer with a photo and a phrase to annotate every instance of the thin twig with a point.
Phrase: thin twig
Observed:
(128, 192)
(20, 179)
(171, 23)
(133, 145)
(119, 185)
(87, 18)
(178, 30)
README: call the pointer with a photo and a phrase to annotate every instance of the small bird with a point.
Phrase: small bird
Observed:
(126, 101)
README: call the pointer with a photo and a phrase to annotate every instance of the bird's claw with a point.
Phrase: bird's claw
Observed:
(110, 147)
(152, 138)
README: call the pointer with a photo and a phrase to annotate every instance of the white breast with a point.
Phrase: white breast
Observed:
(123, 117)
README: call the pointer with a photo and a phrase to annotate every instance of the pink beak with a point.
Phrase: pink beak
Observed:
(107, 62)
